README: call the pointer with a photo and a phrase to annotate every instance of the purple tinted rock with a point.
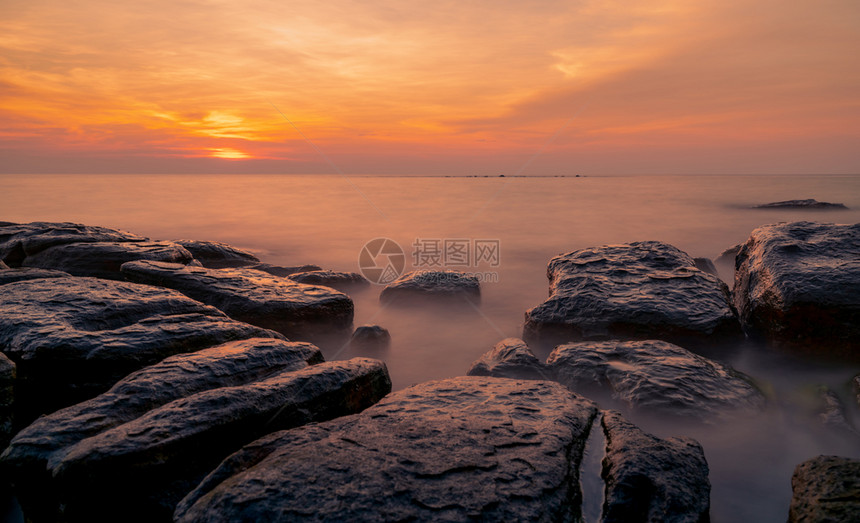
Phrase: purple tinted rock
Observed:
(510, 358)
(825, 489)
(28, 273)
(216, 255)
(370, 335)
(104, 259)
(18, 241)
(342, 281)
(7, 398)
(450, 286)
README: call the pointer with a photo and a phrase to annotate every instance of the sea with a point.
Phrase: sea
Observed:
(503, 230)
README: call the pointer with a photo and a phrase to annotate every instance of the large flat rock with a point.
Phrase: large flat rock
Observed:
(217, 255)
(28, 273)
(652, 479)
(797, 285)
(438, 286)
(19, 241)
(294, 309)
(642, 290)
(462, 449)
(73, 338)
(825, 489)
(104, 259)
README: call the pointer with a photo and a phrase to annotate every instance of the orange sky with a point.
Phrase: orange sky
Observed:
(501, 87)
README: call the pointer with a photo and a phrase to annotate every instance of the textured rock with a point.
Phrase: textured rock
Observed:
(27, 273)
(652, 479)
(216, 255)
(510, 358)
(73, 338)
(797, 285)
(655, 376)
(277, 270)
(7, 398)
(450, 286)
(171, 448)
(826, 489)
(801, 204)
(19, 241)
(342, 281)
(642, 290)
(855, 383)
(104, 259)
(370, 336)
(3, 265)
(470, 448)
(294, 309)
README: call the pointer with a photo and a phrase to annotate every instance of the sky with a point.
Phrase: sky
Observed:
(465, 87)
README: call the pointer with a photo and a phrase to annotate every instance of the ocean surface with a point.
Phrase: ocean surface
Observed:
(505, 230)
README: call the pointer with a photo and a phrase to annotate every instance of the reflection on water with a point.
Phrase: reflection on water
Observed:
(294, 220)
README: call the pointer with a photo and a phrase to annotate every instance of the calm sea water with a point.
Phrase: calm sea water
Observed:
(325, 220)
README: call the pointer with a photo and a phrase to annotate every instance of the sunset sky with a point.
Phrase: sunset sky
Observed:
(540, 87)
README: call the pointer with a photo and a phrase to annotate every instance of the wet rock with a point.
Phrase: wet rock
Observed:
(370, 336)
(706, 265)
(216, 255)
(829, 410)
(652, 479)
(801, 204)
(72, 338)
(299, 311)
(826, 489)
(449, 286)
(283, 272)
(28, 273)
(797, 285)
(342, 281)
(172, 447)
(7, 399)
(655, 376)
(19, 241)
(642, 290)
(470, 448)
(104, 259)
(3, 265)
(510, 358)
(856, 384)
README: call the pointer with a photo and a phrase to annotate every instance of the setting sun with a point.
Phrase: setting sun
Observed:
(230, 154)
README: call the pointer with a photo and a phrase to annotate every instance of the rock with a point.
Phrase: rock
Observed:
(342, 281)
(370, 336)
(706, 265)
(172, 447)
(7, 399)
(469, 448)
(216, 255)
(3, 265)
(510, 358)
(652, 479)
(17, 242)
(103, 260)
(725, 262)
(655, 376)
(856, 385)
(276, 270)
(797, 286)
(27, 273)
(642, 290)
(73, 338)
(801, 204)
(294, 309)
(826, 489)
(448, 286)
(827, 408)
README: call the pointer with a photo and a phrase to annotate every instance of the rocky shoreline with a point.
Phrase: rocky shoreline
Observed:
(151, 380)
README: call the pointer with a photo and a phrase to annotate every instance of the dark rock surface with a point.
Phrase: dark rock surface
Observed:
(510, 358)
(370, 336)
(826, 489)
(797, 285)
(104, 259)
(855, 383)
(725, 263)
(172, 447)
(470, 448)
(801, 204)
(655, 376)
(652, 479)
(283, 272)
(294, 309)
(450, 286)
(3, 265)
(642, 290)
(19, 241)
(706, 265)
(342, 281)
(216, 255)
(73, 338)
(7, 398)
(28, 273)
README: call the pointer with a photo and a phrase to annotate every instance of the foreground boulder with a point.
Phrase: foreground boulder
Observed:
(642, 290)
(104, 259)
(797, 285)
(455, 450)
(826, 489)
(296, 310)
(342, 281)
(28, 273)
(72, 338)
(216, 255)
(510, 358)
(20, 241)
(7, 398)
(448, 286)
(801, 204)
(652, 479)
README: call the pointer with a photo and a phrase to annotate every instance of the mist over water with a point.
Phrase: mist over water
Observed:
(325, 220)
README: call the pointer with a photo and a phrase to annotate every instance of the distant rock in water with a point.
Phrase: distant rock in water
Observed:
(797, 285)
(510, 358)
(706, 265)
(342, 281)
(825, 489)
(642, 290)
(216, 255)
(283, 272)
(801, 204)
(447, 286)
(372, 336)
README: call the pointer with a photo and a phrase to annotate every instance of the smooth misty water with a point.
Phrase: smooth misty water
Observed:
(291, 220)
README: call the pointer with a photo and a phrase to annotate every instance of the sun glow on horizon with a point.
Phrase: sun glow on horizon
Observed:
(230, 154)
